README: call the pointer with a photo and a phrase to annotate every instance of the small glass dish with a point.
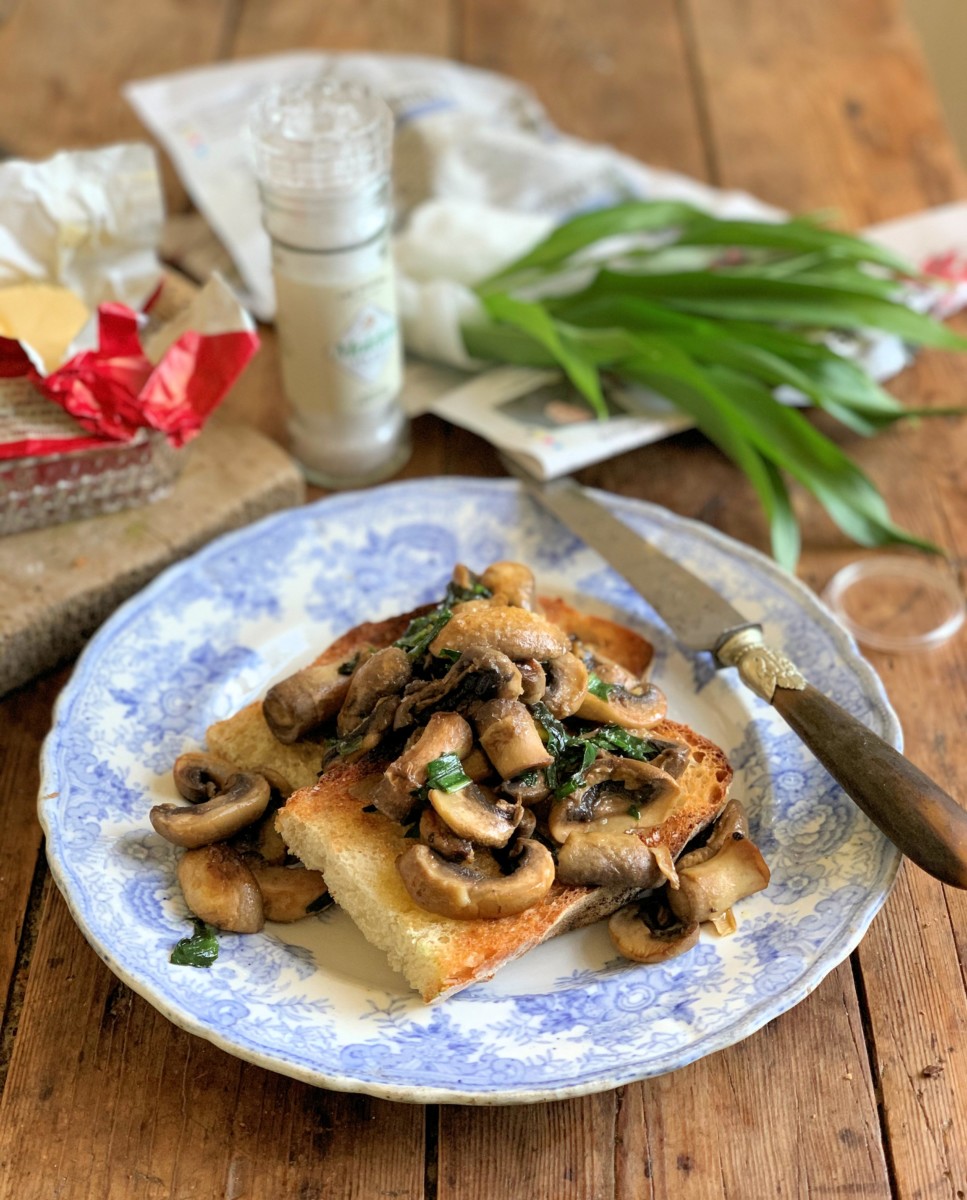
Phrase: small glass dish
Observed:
(896, 602)
(48, 489)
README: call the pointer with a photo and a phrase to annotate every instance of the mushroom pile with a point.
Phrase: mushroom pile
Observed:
(236, 873)
(515, 756)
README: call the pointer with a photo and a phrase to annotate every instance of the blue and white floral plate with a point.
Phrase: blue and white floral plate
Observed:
(313, 1000)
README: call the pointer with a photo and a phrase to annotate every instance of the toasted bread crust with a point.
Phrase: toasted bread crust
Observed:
(327, 827)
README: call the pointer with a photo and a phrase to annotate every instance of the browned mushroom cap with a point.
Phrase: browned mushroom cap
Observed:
(445, 733)
(452, 890)
(384, 674)
(618, 795)
(530, 788)
(478, 674)
(567, 685)
(295, 706)
(533, 680)
(638, 709)
(198, 776)
(516, 632)
(612, 859)
(436, 834)
(219, 888)
(510, 738)
(510, 583)
(648, 932)
(243, 802)
(474, 813)
(287, 892)
(727, 869)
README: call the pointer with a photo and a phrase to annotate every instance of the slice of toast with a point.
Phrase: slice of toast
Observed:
(328, 828)
(326, 824)
(245, 739)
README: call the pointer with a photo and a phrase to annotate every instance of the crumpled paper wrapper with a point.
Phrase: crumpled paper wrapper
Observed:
(91, 221)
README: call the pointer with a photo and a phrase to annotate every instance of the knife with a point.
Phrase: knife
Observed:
(921, 820)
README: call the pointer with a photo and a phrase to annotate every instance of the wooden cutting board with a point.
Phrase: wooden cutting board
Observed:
(58, 584)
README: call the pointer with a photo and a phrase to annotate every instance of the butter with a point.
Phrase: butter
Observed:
(44, 316)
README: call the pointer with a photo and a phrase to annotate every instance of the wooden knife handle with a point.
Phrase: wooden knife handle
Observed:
(914, 813)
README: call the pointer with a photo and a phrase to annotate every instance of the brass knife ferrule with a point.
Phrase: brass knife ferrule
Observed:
(760, 667)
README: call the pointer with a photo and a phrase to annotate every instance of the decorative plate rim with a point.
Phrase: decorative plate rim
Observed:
(753, 1018)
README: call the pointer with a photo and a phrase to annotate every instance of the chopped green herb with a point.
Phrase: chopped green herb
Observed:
(449, 656)
(349, 665)
(199, 950)
(634, 811)
(631, 745)
(446, 773)
(341, 748)
(421, 631)
(597, 686)
(572, 755)
(526, 778)
(455, 594)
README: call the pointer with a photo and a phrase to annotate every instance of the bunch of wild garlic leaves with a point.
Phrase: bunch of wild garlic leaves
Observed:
(715, 315)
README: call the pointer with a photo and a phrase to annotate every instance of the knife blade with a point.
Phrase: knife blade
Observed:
(913, 811)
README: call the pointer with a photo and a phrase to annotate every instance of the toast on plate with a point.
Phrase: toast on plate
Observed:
(358, 822)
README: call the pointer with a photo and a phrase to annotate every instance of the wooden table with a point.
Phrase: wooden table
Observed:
(861, 1090)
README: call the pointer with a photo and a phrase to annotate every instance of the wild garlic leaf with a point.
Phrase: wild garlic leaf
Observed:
(198, 950)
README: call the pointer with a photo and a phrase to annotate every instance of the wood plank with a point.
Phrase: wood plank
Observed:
(562, 1150)
(267, 26)
(790, 1112)
(860, 132)
(872, 156)
(121, 1105)
(605, 70)
(24, 721)
(70, 68)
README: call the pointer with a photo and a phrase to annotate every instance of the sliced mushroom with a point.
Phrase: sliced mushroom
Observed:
(383, 674)
(611, 859)
(474, 813)
(219, 888)
(438, 835)
(567, 685)
(480, 673)
(199, 776)
(287, 892)
(516, 632)
(510, 583)
(366, 736)
(533, 680)
(712, 879)
(638, 709)
(510, 738)
(477, 766)
(530, 788)
(445, 733)
(451, 890)
(295, 706)
(606, 669)
(243, 802)
(648, 932)
(618, 794)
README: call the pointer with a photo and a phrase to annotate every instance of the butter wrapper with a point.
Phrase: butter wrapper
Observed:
(78, 235)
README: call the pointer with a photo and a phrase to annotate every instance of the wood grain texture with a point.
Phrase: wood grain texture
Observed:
(793, 1114)
(861, 1090)
(266, 26)
(605, 70)
(121, 1105)
(63, 65)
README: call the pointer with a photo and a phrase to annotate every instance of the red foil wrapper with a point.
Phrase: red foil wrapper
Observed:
(115, 392)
